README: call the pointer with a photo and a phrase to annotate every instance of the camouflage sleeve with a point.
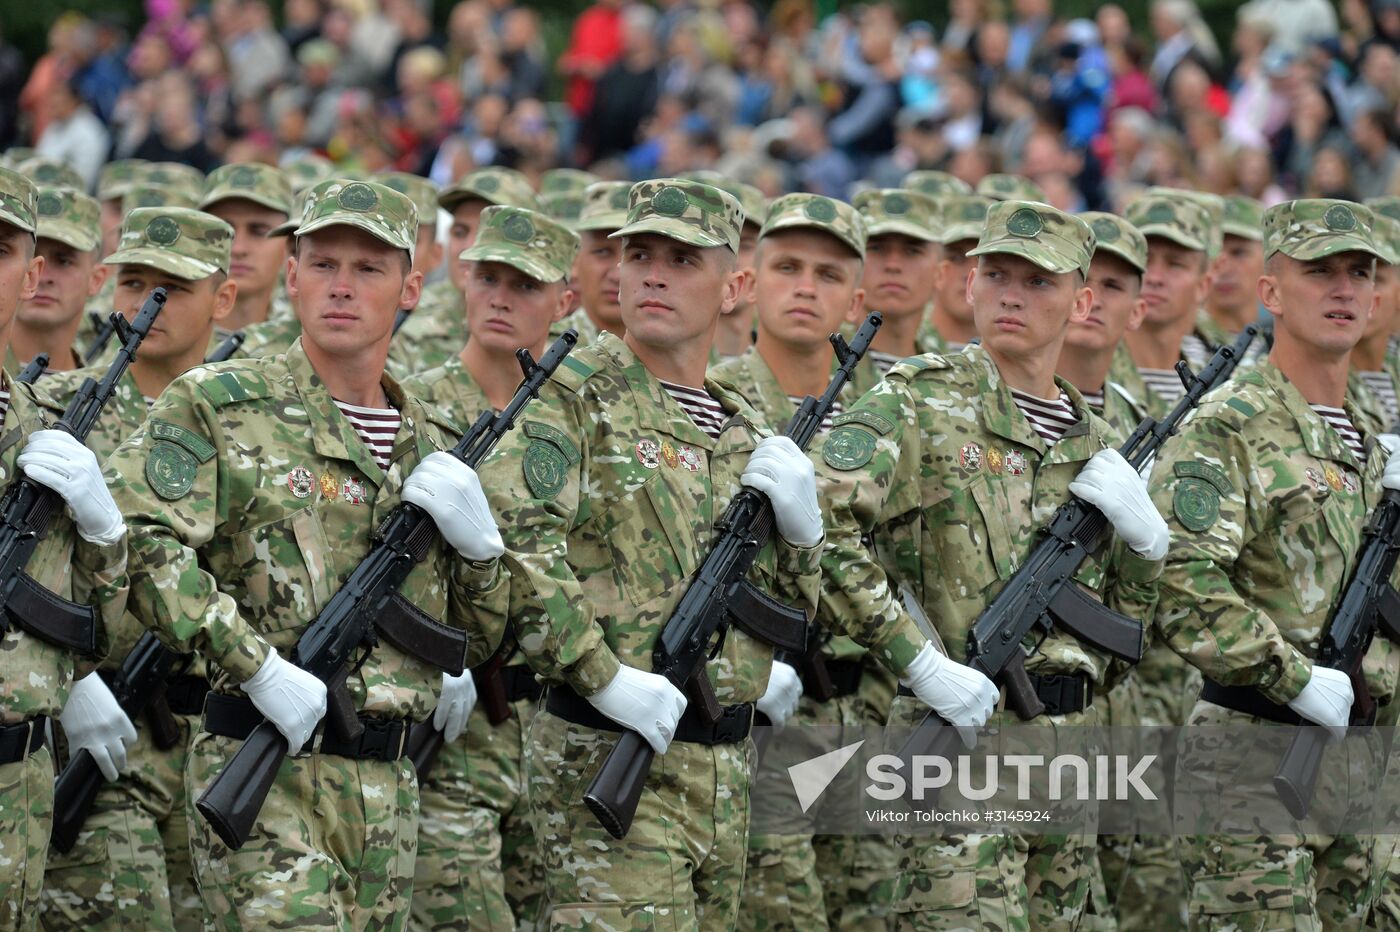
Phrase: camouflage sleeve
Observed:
(1131, 589)
(866, 473)
(1206, 491)
(478, 604)
(171, 593)
(100, 580)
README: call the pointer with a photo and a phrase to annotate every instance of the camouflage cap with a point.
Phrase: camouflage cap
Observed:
(422, 192)
(18, 197)
(935, 184)
(381, 212)
(1010, 188)
(117, 178)
(70, 217)
(16, 154)
(156, 195)
(604, 206)
(688, 211)
(964, 216)
(1215, 210)
(527, 240)
(1315, 228)
(289, 226)
(495, 185)
(179, 241)
(1389, 205)
(899, 210)
(1167, 214)
(566, 181)
(185, 178)
(1244, 217)
(1114, 234)
(307, 172)
(815, 212)
(564, 206)
(248, 181)
(1386, 231)
(1054, 240)
(749, 197)
(51, 173)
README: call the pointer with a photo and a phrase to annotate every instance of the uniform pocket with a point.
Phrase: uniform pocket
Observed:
(984, 555)
(282, 570)
(633, 528)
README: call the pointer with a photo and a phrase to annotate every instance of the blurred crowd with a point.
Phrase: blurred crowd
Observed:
(1301, 100)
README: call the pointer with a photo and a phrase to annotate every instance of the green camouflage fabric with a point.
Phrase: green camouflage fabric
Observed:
(566, 181)
(1001, 187)
(70, 217)
(580, 321)
(16, 154)
(289, 227)
(1244, 217)
(1315, 228)
(1114, 234)
(308, 171)
(815, 212)
(26, 818)
(1054, 240)
(185, 178)
(964, 216)
(894, 210)
(604, 206)
(1214, 206)
(156, 195)
(564, 206)
(51, 173)
(935, 184)
(18, 200)
(1389, 205)
(117, 177)
(1172, 216)
(1386, 232)
(422, 192)
(186, 243)
(1124, 372)
(749, 197)
(248, 181)
(381, 212)
(686, 211)
(527, 240)
(495, 185)
(434, 333)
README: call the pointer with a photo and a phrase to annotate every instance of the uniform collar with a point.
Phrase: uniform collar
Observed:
(332, 435)
(655, 409)
(1002, 417)
(1319, 439)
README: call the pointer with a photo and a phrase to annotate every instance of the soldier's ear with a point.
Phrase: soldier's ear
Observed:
(857, 309)
(29, 287)
(567, 303)
(97, 278)
(1268, 293)
(225, 297)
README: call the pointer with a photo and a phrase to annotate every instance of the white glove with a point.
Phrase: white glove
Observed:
(457, 701)
(448, 490)
(289, 697)
(1112, 486)
(93, 721)
(778, 469)
(644, 702)
(961, 695)
(780, 698)
(1389, 442)
(1390, 479)
(1326, 700)
(56, 459)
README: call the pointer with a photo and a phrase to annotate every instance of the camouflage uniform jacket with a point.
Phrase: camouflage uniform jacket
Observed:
(433, 333)
(451, 389)
(616, 510)
(268, 338)
(1266, 506)
(1125, 372)
(580, 321)
(951, 482)
(250, 498)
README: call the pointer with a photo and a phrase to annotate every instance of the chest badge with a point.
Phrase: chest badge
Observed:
(970, 456)
(353, 491)
(669, 454)
(1015, 462)
(648, 453)
(329, 489)
(995, 461)
(301, 481)
(689, 459)
(1316, 479)
(1334, 478)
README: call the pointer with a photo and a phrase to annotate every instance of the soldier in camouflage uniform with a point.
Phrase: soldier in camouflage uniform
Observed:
(428, 253)
(253, 494)
(70, 240)
(942, 467)
(115, 179)
(951, 315)
(478, 863)
(1374, 369)
(1267, 499)
(595, 273)
(131, 864)
(901, 256)
(566, 181)
(83, 558)
(1232, 303)
(254, 199)
(1001, 187)
(735, 333)
(935, 184)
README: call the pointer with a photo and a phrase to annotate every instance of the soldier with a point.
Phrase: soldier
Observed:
(1267, 489)
(950, 317)
(627, 462)
(70, 241)
(960, 460)
(1232, 303)
(901, 255)
(115, 179)
(428, 252)
(1372, 364)
(735, 332)
(935, 184)
(478, 863)
(254, 489)
(83, 558)
(51, 173)
(595, 272)
(254, 199)
(1000, 187)
(566, 181)
(131, 865)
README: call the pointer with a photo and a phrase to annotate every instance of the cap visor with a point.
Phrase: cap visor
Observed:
(1320, 247)
(163, 260)
(238, 194)
(961, 231)
(1135, 261)
(359, 223)
(448, 200)
(69, 235)
(902, 227)
(609, 222)
(1025, 248)
(14, 221)
(1173, 234)
(675, 229)
(514, 258)
(797, 223)
(1243, 232)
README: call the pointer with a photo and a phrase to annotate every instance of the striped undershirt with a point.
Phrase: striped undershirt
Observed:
(4, 403)
(1050, 419)
(883, 362)
(1094, 399)
(1380, 385)
(1165, 382)
(704, 410)
(1195, 351)
(1339, 422)
(377, 427)
(826, 421)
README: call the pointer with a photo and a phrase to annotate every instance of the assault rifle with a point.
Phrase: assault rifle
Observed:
(105, 330)
(33, 369)
(366, 607)
(228, 347)
(718, 596)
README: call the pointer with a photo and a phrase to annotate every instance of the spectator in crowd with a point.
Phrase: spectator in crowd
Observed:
(596, 42)
(12, 78)
(627, 90)
(257, 55)
(74, 134)
(1374, 168)
(1181, 37)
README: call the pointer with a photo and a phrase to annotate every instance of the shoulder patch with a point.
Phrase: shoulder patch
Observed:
(848, 447)
(1243, 407)
(201, 449)
(546, 468)
(1196, 504)
(876, 422)
(170, 470)
(230, 387)
(578, 367)
(550, 434)
(912, 365)
(1212, 474)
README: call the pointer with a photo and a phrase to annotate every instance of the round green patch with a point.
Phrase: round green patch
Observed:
(848, 448)
(487, 185)
(170, 470)
(518, 229)
(1389, 209)
(50, 204)
(896, 204)
(820, 209)
(1339, 219)
(545, 469)
(1105, 230)
(163, 231)
(242, 177)
(1159, 213)
(1196, 504)
(46, 174)
(358, 196)
(974, 210)
(1025, 222)
(670, 202)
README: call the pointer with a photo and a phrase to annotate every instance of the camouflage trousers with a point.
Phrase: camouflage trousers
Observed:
(807, 882)
(26, 818)
(333, 846)
(1386, 912)
(1299, 881)
(1011, 880)
(478, 864)
(130, 867)
(680, 867)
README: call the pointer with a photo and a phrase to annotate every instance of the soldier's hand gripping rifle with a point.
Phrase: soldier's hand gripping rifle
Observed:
(105, 330)
(1043, 595)
(1369, 604)
(28, 509)
(719, 595)
(366, 607)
